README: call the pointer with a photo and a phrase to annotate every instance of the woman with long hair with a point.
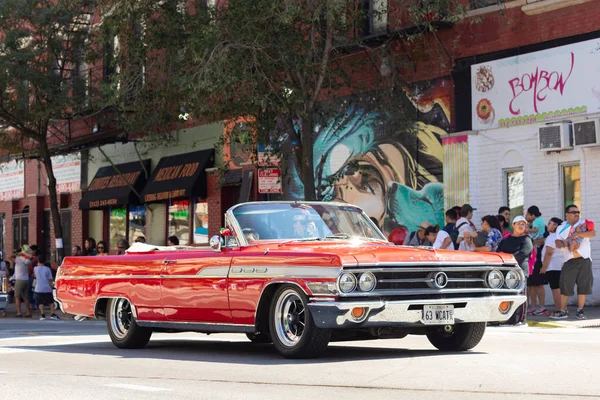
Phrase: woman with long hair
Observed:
(506, 230)
(520, 245)
(102, 250)
(490, 227)
(89, 247)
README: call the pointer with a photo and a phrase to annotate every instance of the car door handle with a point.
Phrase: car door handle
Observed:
(167, 262)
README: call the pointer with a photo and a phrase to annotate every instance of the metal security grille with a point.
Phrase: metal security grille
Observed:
(550, 137)
(585, 133)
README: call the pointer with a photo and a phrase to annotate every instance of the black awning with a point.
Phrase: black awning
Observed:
(179, 176)
(112, 186)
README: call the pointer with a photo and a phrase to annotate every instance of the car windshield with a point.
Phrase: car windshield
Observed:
(302, 221)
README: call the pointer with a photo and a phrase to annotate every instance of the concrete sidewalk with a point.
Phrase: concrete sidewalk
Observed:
(592, 315)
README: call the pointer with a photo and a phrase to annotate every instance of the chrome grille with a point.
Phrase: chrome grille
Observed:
(418, 280)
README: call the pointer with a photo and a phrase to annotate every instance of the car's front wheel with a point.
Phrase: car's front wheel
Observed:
(124, 332)
(460, 337)
(293, 331)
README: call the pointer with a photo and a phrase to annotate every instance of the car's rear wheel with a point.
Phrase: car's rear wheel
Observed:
(293, 331)
(124, 332)
(460, 337)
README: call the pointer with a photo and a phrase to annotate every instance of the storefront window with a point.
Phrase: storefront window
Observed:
(515, 191)
(118, 227)
(571, 175)
(201, 223)
(137, 222)
(179, 220)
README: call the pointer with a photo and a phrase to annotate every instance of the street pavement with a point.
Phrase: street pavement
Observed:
(70, 360)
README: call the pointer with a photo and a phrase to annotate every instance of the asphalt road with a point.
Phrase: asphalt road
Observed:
(70, 360)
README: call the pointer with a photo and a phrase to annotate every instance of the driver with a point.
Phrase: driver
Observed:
(303, 228)
(250, 234)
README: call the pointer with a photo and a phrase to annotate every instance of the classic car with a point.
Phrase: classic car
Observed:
(298, 275)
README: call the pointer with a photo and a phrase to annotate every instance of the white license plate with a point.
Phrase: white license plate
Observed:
(438, 315)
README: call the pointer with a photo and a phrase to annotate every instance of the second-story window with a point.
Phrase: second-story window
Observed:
(111, 48)
(375, 17)
(474, 4)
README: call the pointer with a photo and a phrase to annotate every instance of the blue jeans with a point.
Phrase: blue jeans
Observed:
(30, 294)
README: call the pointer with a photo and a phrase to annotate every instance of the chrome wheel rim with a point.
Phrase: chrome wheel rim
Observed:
(290, 318)
(121, 318)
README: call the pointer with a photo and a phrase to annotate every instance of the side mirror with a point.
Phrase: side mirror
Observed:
(216, 242)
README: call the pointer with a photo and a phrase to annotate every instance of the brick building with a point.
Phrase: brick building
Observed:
(451, 157)
(526, 111)
(25, 206)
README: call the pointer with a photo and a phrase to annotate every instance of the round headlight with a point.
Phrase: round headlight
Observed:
(347, 282)
(495, 279)
(512, 279)
(367, 282)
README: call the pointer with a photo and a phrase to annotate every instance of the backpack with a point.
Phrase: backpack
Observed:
(454, 232)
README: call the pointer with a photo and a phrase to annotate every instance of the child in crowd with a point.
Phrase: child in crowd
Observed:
(585, 227)
(43, 289)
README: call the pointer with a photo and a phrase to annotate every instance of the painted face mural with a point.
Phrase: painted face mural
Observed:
(395, 176)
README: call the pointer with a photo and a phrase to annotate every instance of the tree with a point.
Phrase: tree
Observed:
(44, 81)
(290, 67)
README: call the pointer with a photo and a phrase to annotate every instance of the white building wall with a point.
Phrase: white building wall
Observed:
(493, 151)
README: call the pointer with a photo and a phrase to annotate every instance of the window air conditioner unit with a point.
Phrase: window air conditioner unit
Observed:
(585, 133)
(556, 137)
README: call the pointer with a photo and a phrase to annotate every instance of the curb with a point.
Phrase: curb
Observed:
(541, 324)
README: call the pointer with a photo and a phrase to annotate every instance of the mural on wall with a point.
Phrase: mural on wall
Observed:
(456, 170)
(395, 176)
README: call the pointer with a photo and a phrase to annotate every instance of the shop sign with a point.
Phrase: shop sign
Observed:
(269, 180)
(67, 171)
(537, 87)
(268, 155)
(12, 180)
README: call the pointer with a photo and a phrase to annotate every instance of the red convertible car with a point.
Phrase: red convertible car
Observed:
(298, 275)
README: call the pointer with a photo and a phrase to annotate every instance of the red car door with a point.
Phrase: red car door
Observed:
(194, 286)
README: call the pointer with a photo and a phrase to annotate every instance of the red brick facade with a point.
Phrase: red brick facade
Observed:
(432, 58)
(37, 200)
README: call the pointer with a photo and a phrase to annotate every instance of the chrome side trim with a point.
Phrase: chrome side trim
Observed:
(213, 272)
(299, 272)
(284, 272)
(198, 326)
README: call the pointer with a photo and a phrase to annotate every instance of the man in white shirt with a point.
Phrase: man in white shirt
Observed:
(464, 222)
(577, 269)
(552, 262)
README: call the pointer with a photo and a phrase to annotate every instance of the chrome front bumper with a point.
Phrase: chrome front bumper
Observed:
(409, 312)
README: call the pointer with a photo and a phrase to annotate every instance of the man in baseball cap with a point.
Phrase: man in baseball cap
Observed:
(418, 238)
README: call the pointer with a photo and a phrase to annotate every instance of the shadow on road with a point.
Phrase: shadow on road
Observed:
(234, 352)
(22, 327)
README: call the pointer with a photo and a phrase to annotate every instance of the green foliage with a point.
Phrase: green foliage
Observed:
(44, 79)
(290, 67)
(44, 61)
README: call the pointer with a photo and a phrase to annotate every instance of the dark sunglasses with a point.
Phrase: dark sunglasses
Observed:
(101, 247)
(574, 212)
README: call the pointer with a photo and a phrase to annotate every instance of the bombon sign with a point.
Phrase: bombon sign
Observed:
(537, 87)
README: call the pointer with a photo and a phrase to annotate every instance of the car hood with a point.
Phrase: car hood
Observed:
(388, 254)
